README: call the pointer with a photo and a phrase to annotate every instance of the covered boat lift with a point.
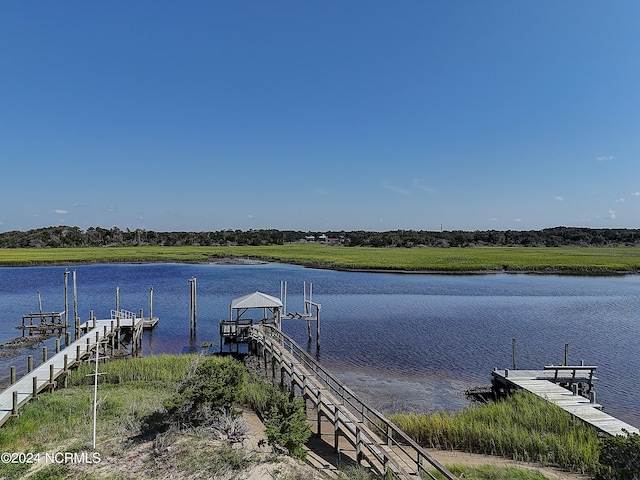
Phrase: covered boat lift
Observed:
(236, 328)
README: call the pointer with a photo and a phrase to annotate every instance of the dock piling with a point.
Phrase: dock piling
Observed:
(29, 363)
(13, 375)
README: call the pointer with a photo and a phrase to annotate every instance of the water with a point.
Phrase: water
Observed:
(402, 341)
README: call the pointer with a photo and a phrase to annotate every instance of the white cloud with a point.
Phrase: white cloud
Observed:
(110, 209)
(636, 194)
(611, 214)
(517, 220)
(417, 183)
(620, 200)
(493, 219)
(605, 158)
(394, 188)
(60, 211)
(558, 198)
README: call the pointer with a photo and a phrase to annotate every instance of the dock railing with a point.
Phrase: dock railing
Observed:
(419, 459)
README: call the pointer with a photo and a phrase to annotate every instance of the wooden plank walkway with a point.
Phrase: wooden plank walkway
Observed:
(541, 383)
(378, 443)
(46, 375)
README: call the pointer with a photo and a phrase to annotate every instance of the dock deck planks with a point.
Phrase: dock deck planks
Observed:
(540, 383)
(24, 387)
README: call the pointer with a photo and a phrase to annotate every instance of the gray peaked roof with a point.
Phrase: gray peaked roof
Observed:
(256, 300)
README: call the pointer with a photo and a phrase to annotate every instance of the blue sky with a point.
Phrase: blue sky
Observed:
(325, 115)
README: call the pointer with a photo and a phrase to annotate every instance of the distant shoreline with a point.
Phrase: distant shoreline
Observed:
(231, 261)
(572, 261)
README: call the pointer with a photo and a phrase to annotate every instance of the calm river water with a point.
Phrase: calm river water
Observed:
(403, 341)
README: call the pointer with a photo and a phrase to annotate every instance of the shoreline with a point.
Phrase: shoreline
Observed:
(231, 260)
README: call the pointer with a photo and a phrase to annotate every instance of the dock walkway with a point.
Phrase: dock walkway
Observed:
(378, 443)
(46, 375)
(541, 383)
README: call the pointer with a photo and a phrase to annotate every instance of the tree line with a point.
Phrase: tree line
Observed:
(65, 236)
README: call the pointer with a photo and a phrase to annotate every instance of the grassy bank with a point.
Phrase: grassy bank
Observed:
(577, 260)
(137, 437)
(131, 443)
(522, 427)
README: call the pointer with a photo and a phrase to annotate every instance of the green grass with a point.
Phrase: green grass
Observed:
(588, 260)
(492, 473)
(522, 427)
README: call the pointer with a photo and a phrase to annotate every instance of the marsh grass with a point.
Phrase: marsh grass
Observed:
(522, 427)
(159, 371)
(578, 260)
(488, 472)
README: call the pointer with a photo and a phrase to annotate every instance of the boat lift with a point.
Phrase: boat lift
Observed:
(311, 309)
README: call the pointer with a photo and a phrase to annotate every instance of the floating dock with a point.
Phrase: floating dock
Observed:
(548, 385)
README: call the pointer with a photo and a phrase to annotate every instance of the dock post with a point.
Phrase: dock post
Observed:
(319, 414)
(88, 345)
(51, 375)
(67, 339)
(317, 329)
(14, 407)
(13, 375)
(592, 396)
(29, 363)
(75, 303)
(57, 345)
(66, 371)
(66, 297)
(44, 354)
(35, 386)
(77, 353)
(193, 306)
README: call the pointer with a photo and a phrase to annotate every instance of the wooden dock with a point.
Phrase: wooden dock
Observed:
(546, 384)
(377, 443)
(94, 333)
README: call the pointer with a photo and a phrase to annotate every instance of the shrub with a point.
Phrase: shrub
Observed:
(620, 458)
(214, 385)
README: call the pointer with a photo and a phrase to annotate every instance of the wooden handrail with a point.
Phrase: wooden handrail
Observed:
(394, 435)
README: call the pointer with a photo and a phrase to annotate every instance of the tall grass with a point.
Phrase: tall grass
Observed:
(522, 427)
(160, 370)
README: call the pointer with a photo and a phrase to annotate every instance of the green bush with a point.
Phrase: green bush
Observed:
(214, 385)
(620, 458)
(284, 417)
(286, 425)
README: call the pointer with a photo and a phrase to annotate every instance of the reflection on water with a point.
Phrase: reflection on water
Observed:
(402, 341)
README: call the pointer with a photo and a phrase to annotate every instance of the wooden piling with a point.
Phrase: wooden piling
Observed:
(57, 345)
(13, 375)
(193, 306)
(29, 363)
